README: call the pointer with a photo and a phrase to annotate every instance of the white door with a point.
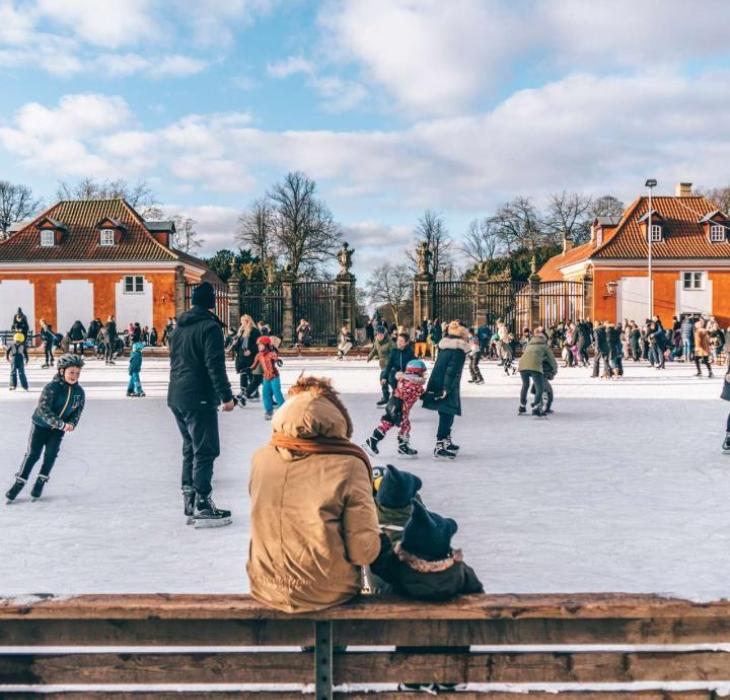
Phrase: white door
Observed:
(74, 302)
(633, 299)
(133, 301)
(14, 294)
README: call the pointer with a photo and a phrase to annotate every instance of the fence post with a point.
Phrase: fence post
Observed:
(234, 299)
(423, 287)
(481, 292)
(287, 324)
(534, 316)
(323, 660)
(179, 290)
(588, 296)
(346, 308)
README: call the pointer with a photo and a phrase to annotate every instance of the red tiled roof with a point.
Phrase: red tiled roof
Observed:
(550, 271)
(684, 236)
(81, 239)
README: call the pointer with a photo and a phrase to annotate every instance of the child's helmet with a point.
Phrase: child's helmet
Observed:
(416, 367)
(264, 340)
(19, 338)
(69, 360)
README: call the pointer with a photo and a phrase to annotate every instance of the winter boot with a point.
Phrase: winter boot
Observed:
(537, 410)
(188, 503)
(268, 415)
(240, 399)
(371, 444)
(130, 393)
(726, 444)
(40, 482)
(15, 489)
(522, 410)
(441, 451)
(206, 514)
(383, 401)
(404, 449)
(450, 445)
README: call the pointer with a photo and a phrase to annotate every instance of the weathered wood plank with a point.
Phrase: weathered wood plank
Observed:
(364, 667)
(472, 607)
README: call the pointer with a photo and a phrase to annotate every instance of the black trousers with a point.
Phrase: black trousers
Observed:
(255, 382)
(201, 445)
(446, 420)
(48, 350)
(244, 376)
(40, 439)
(597, 364)
(705, 361)
(78, 347)
(109, 349)
(384, 386)
(537, 380)
(474, 370)
(17, 371)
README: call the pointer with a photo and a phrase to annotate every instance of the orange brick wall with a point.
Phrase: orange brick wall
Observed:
(163, 285)
(605, 306)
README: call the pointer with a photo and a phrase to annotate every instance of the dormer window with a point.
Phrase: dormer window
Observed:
(717, 233)
(656, 233)
(48, 238)
(106, 237)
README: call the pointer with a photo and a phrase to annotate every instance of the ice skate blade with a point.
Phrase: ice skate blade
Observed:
(205, 523)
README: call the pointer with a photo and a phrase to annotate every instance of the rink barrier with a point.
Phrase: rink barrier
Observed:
(231, 641)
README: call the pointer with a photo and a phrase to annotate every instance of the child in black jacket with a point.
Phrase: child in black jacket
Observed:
(17, 356)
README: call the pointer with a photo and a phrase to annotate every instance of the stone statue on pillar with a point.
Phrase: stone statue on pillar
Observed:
(423, 260)
(344, 257)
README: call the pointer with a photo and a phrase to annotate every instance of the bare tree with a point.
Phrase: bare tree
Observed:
(16, 204)
(607, 205)
(518, 225)
(569, 214)
(431, 230)
(257, 230)
(305, 231)
(481, 242)
(187, 239)
(138, 194)
(391, 285)
(719, 196)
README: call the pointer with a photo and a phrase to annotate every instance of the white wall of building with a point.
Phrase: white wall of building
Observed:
(695, 301)
(133, 307)
(14, 294)
(74, 302)
(633, 299)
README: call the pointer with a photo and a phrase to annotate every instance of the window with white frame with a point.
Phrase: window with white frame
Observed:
(134, 284)
(656, 233)
(48, 238)
(106, 236)
(717, 233)
(692, 280)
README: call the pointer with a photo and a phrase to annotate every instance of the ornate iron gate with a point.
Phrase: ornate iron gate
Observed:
(454, 301)
(560, 301)
(264, 302)
(508, 301)
(317, 303)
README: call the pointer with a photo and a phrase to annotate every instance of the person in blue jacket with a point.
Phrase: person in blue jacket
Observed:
(58, 412)
(134, 388)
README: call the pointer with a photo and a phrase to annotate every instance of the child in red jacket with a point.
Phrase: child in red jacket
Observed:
(268, 359)
(397, 412)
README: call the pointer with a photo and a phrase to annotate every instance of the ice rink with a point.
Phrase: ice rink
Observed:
(624, 488)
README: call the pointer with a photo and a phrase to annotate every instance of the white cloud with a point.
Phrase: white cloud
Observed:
(290, 66)
(215, 224)
(177, 65)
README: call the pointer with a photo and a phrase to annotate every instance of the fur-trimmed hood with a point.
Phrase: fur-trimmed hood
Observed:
(313, 409)
(424, 566)
(450, 343)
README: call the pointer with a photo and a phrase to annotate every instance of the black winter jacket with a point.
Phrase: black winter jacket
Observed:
(93, 332)
(601, 339)
(60, 403)
(198, 376)
(77, 332)
(397, 363)
(240, 345)
(446, 377)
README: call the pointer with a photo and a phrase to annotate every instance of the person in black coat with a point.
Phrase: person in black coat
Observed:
(49, 338)
(17, 356)
(399, 358)
(443, 389)
(244, 349)
(109, 338)
(602, 351)
(76, 336)
(93, 331)
(198, 385)
(20, 323)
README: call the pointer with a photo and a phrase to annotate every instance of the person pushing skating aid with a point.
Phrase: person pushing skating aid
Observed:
(58, 412)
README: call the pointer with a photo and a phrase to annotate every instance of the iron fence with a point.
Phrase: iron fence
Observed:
(317, 303)
(560, 301)
(264, 302)
(221, 300)
(454, 301)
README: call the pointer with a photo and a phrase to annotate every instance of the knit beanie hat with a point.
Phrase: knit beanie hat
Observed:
(397, 488)
(457, 330)
(428, 535)
(204, 295)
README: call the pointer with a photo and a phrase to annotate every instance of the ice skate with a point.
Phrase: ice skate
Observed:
(206, 514)
(522, 410)
(268, 415)
(404, 449)
(371, 444)
(240, 399)
(188, 503)
(726, 444)
(537, 411)
(37, 491)
(450, 445)
(441, 451)
(382, 402)
(15, 489)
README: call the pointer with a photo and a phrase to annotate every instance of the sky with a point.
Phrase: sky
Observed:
(392, 106)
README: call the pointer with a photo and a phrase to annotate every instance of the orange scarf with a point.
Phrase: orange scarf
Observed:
(322, 445)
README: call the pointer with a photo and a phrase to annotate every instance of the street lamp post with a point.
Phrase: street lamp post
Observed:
(651, 184)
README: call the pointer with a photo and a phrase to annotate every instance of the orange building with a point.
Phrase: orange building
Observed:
(690, 260)
(85, 259)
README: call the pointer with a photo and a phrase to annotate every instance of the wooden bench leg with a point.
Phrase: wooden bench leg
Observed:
(323, 660)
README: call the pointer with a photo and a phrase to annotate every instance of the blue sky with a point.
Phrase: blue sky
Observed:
(393, 106)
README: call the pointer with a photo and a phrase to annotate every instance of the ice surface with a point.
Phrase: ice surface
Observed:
(624, 488)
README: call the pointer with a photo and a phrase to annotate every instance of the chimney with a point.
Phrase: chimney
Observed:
(567, 243)
(684, 189)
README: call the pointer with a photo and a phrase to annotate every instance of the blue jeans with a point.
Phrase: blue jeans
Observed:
(271, 391)
(134, 386)
(687, 349)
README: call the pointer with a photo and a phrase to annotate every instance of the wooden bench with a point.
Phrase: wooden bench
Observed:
(123, 635)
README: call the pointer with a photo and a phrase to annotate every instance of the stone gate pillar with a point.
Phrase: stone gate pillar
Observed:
(423, 287)
(534, 287)
(481, 293)
(588, 297)
(234, 298)
(179, 290)
(288, 325)
(346, 305)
